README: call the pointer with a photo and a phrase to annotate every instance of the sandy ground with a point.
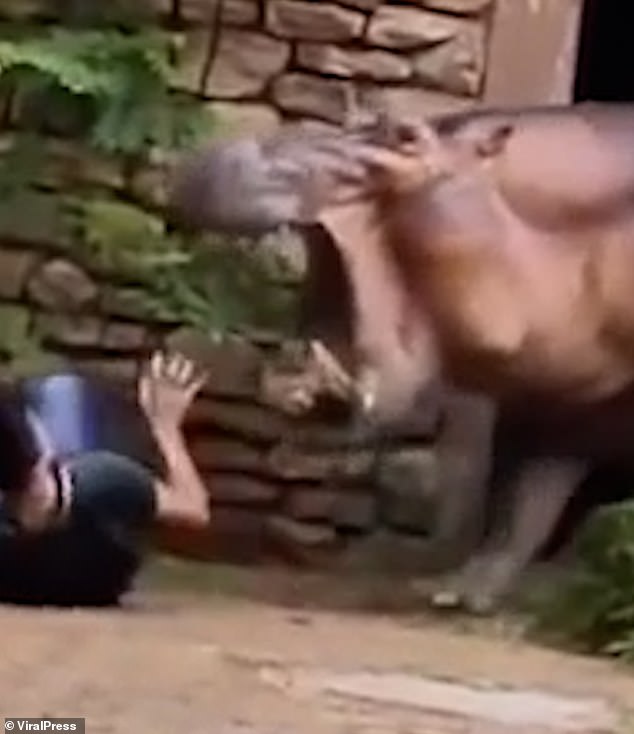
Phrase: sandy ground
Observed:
(257, 653)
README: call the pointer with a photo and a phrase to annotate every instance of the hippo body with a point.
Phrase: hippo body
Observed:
(487, 254)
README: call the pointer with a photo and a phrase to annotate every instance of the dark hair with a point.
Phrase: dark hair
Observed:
(18, 447)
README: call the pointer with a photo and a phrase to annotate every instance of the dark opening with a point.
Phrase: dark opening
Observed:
(605, 70)
(605, 485)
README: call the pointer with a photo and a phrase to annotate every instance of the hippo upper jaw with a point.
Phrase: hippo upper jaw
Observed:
(253, 186)
(233, 188)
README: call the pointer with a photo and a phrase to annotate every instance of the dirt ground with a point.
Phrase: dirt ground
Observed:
(269, 652)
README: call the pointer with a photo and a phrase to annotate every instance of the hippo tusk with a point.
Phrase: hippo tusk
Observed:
(368, 401)
(363, 390)
(331, 367)
(367, 390)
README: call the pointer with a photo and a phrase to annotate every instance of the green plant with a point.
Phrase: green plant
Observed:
(106, 85)
(20, 351)
(594, 609)
(115, 84)
(209, 282)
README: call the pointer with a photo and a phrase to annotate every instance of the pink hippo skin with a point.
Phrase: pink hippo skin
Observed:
(484, 257)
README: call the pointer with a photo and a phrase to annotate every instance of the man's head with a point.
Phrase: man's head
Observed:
(27, 479)
(18, 448)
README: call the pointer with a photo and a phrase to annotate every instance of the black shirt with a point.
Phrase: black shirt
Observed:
(93, 557)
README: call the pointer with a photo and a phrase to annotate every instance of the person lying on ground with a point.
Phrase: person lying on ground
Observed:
(73, 531)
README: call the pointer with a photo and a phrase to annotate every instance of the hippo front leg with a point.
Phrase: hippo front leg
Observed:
(538, 498)
(464, 451)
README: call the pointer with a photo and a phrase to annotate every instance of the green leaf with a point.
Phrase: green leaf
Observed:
(110, 90)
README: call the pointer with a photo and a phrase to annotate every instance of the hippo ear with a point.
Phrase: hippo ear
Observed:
(494, 141)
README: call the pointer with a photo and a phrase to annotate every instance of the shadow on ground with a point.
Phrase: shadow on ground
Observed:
(354, 593)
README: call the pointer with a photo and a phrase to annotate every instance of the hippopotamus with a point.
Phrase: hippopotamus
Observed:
(487, 255)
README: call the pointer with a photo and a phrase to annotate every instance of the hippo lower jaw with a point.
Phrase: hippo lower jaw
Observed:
(323, 374)
(361, 391)
(372, 406)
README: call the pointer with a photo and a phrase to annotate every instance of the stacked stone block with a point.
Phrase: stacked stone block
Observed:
(279, 488)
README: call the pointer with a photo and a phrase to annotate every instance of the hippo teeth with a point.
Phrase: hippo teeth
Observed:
(331, 368)
(341, 383)
(367, 390)
(368, 400)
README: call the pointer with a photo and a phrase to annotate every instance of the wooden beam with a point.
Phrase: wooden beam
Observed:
(533, 52)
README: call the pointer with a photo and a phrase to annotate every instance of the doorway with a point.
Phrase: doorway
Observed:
(605, 67)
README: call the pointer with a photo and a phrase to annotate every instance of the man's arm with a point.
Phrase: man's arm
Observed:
(166, 390)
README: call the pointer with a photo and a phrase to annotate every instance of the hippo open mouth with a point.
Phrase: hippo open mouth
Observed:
(311, 177)
(491, 252)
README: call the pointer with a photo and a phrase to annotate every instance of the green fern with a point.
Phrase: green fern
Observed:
(210, 283)
(108, 88)
(122, 77)
(594, 608)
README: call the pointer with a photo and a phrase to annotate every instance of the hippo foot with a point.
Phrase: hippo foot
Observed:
(479, 587)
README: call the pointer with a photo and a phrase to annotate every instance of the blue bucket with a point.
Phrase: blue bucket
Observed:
(81, 414)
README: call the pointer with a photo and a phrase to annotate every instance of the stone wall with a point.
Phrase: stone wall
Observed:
(278, 488)
(281, 59)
